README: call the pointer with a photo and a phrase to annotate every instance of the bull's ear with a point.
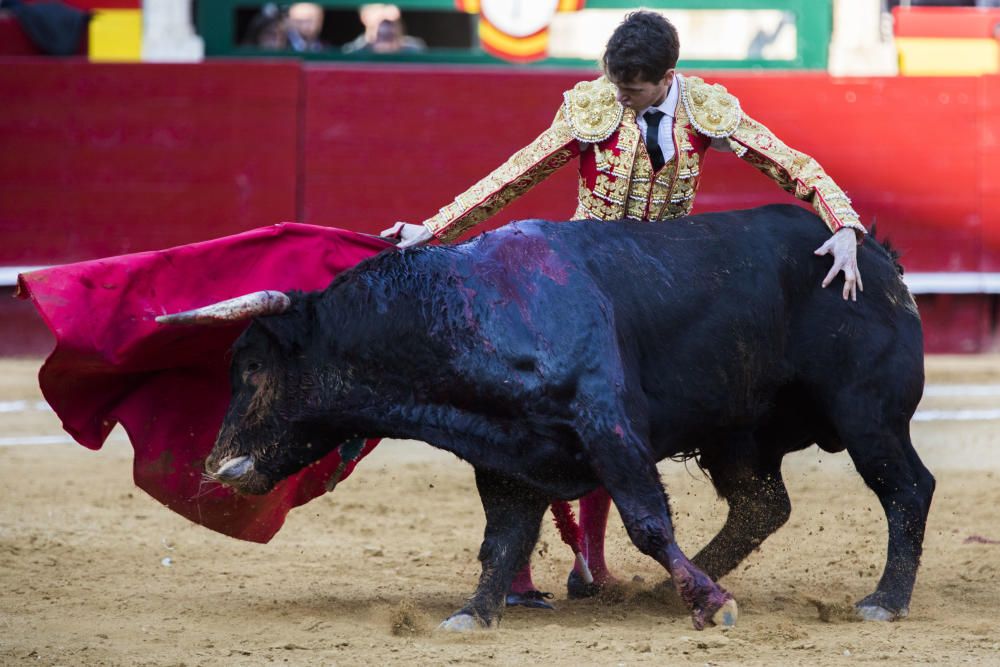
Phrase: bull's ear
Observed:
(287, 331)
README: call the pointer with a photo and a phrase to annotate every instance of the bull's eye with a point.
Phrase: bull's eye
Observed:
(250, 370)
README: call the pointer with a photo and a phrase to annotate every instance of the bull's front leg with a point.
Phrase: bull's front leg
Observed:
(630, 476)
(513, 517)
(649, 526)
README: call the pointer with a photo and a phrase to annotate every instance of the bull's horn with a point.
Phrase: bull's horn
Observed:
(268, 302)
(234, 469)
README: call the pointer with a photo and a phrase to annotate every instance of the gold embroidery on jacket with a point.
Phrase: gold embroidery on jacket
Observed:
(713, 111)
(628, 140)
(611, 189)
(640, 185)
(795, 172)
(595, 207)
(604, 159)
(592, 110)
(525, 169)
(683, 180)
(608, 198)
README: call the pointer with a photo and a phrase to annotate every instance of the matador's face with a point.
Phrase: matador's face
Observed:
(639, 95)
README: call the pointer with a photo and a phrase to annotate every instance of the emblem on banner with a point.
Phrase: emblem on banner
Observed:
(516, 30)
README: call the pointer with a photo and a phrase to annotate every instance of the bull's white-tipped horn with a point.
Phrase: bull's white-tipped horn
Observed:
(267, 302)
(234, 469)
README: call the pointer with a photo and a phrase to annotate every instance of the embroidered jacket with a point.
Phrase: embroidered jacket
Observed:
(616, 175)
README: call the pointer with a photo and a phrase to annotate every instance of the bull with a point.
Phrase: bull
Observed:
(559, 357)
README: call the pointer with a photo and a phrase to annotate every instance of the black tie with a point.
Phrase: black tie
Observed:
(652, 132)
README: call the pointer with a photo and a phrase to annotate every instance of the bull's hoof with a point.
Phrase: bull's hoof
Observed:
(873, 612)
(717, 607)
(529, 599)
(875, 608)
(726, 615)
(577, 588)
(462, 623)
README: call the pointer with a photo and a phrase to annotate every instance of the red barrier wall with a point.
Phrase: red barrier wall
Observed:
(13, 40)
(100, 160)
(399, 143)
(104, 159)
(904, 149)
(968, 22)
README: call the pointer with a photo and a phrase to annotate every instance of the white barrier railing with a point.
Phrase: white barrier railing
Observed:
(919, 283)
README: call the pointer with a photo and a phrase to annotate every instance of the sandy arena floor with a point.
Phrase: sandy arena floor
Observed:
(362, 576)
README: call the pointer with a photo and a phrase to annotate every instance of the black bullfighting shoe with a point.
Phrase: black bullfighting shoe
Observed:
(577, 588)
(530, 599)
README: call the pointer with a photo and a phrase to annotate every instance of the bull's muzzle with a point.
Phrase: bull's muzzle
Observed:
(233, 469)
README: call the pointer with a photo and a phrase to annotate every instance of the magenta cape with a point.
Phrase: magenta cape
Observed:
(168, 385)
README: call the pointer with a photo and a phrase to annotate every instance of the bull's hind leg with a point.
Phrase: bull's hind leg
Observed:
(887, 462)
(629, 473)
(514, 514)
(758, 506)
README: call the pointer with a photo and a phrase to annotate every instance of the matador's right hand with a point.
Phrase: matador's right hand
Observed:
(408, 235)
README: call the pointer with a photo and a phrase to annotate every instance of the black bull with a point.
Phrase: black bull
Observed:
(558, 357)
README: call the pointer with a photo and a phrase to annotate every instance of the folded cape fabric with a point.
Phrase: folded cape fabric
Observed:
(168, 386)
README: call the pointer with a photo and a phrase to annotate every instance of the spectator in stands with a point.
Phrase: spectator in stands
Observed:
(55, 28)
(393, 39)
(305, 23)
(268, 29)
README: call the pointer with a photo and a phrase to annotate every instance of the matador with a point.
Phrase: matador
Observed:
(617, 176)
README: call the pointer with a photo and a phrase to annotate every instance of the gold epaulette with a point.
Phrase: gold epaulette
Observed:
(713, 111)
(592, 110)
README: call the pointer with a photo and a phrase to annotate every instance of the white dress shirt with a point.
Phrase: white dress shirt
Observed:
(665, 135)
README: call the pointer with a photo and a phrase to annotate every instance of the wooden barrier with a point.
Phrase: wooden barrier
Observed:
(100, 160)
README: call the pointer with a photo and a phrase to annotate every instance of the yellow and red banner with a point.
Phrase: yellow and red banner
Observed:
(516, 30)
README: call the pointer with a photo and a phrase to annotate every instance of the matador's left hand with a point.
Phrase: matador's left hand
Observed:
(844, 247)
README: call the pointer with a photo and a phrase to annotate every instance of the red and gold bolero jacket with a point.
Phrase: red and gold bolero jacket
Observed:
(616, 174)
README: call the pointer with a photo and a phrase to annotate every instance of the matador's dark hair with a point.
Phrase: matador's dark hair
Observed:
(644, 46)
